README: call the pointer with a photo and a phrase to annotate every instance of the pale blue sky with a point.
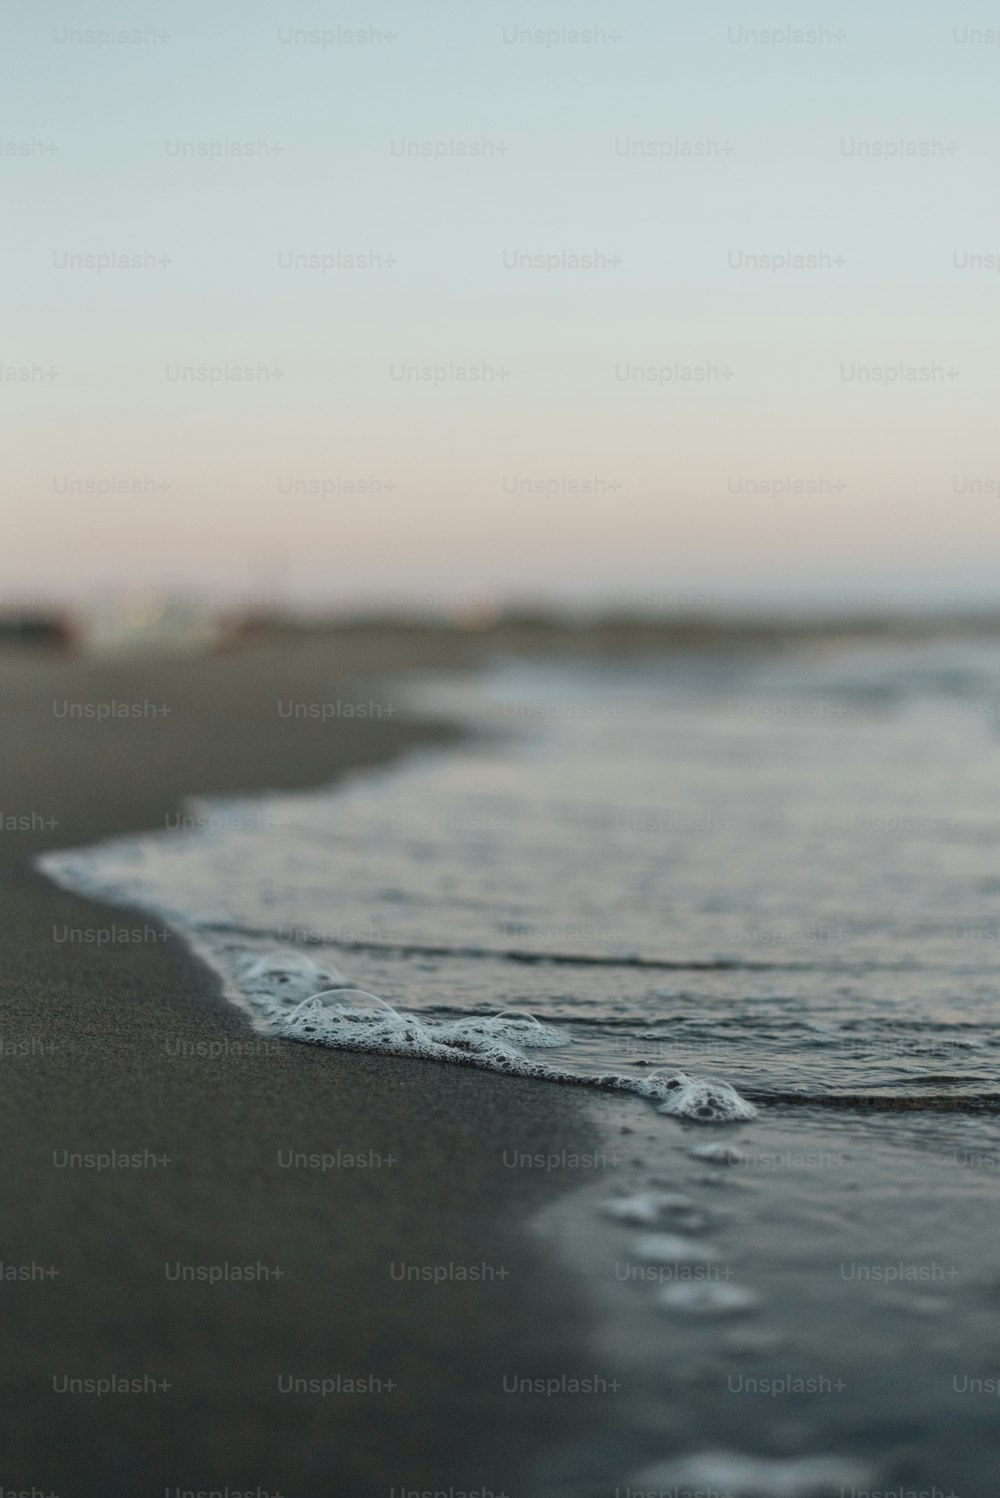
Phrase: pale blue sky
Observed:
(898, 483)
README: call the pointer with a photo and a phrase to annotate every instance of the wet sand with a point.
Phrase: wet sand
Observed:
(113, 1044)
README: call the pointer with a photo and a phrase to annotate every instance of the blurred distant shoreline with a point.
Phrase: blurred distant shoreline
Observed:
(194, 624)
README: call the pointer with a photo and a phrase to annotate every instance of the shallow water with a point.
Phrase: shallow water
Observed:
(859, 1357)
(782, 872)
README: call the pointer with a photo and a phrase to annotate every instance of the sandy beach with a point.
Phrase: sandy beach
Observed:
(235, 1264)
(137, 1269)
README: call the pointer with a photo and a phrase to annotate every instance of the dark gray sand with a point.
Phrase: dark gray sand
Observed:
(115, 1048)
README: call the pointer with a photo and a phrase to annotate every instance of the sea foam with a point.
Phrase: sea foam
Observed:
(743, 1476)
(301, 1000)
(708, 1298)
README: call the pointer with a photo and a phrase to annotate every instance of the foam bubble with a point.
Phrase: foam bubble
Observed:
(354, 1020)
(283, 979)
(701, 1097)
(708, 1298)
(647, 1208)
(744, 1476)
(513, 1026)
(716, 1154)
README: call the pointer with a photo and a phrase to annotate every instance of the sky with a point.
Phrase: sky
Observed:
(646, 305)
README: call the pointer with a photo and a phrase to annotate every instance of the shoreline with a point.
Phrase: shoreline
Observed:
(112, 1050)
(288, 1270)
